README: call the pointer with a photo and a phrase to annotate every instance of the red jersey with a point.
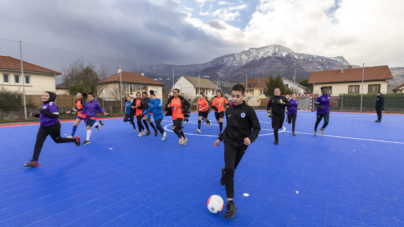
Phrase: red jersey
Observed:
(79, 108)
(219, 103)
(202, 104)
(176, 108)
(138, 111)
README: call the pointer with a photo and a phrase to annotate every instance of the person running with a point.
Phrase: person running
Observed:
(292, 112)
(323, 110)
(80, 102)
(276, 110)
(138, 113)
(144, 105)
(219, 104)
(379, 105)
(49, 125)
(156, 108)
(129, 113)
(178, 107)
(91, 109)
(202, 106)
(241, 130)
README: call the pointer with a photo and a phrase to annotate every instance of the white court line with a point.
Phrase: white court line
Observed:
(283, 130)
(351, 138)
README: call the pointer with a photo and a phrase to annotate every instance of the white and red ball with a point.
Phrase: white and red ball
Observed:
(215, 204)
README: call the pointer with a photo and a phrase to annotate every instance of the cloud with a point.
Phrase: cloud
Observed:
(204, 13)
(226, 14)
(358, 30)
(202, 2)
(223, 3)
(188, 9)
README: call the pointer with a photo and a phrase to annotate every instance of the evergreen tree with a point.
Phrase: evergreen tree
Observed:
(276, 83)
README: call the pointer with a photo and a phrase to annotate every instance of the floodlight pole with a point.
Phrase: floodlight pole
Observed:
(363, 75)
(23, 82)
(120, 81)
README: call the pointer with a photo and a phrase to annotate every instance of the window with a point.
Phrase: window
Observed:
(262, 92)
(374, 88)
(27, 79)
(17, 79)
(5, 77)
(259, 81)
(287, 85)
(131, 88)
(329, 90)
(155, 90)
(353, 89)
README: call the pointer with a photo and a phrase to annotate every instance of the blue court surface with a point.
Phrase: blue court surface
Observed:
(352, 176)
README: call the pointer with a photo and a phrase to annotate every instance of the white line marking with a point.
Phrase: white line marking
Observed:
(351, 138)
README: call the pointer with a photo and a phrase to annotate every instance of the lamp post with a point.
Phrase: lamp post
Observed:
(120, 82)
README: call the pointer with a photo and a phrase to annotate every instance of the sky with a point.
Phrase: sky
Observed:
(197, 31)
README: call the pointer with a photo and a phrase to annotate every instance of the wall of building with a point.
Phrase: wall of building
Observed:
(342, 88)
(111, 90)
(38, 83)
(62, 91)
(294, 86)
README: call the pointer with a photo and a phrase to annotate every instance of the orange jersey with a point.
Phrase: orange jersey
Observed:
(219, 103)
(176, 109)
(202, 104)
(138, 111)
(80, 106)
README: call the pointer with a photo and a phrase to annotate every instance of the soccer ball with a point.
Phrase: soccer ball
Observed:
(215, 204)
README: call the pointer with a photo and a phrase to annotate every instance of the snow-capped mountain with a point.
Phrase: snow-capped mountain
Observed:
(255, 62)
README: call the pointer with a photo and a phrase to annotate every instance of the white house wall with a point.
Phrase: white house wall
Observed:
(38, 83)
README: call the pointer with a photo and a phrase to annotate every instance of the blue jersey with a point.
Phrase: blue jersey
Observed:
(155, 107)
(323, 100)
(128, 109)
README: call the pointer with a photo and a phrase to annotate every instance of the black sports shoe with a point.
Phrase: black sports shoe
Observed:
(148, 133)
(276, 143)
(31, 164)
(77, 141)
(231, 209)
(378, 121)
(86, 142)
(156, 133)
(222, 182)
(101, 122)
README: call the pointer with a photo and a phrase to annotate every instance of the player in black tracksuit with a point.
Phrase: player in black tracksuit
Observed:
(277, 104)
(379, 106)
(241, 130)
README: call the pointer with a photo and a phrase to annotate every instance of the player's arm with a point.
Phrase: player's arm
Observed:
(269, 105)
(255, 125)
(317, 103)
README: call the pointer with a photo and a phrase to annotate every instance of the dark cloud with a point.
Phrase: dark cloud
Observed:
(139, 30)
(216, 24)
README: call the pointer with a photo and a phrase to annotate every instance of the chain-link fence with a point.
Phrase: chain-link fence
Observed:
(393, 103)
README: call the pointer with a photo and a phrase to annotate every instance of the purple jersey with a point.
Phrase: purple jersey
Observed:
(91, 109)
(48, 121)
(323, 100)
(292, 109)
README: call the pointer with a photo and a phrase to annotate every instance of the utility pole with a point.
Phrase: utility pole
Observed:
(23, 82)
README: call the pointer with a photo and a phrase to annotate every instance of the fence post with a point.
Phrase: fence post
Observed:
(342, 101)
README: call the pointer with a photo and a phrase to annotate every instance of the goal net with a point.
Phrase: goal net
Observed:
(305, 102)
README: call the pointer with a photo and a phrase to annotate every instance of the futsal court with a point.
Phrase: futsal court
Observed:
(352, 176)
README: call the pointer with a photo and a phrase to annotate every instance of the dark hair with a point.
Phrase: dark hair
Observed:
(323, 88)
(138, 93)
(219, 92)
(91, 93)
(379, 92)
(145, 93)
(201, 94)
(83, 94)
(238, 87)
(177, 90)
(152, 93)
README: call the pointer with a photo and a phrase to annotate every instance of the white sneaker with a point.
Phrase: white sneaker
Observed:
(198, 131)
(184, 141)
(69, 137)
(164, 136)
(322, 131)
(315, 133)
(99, 127)
(140, 134)
(180, 142)
(210, 124)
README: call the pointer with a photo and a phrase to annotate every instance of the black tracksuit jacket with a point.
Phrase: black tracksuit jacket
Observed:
(277, 108)
(242, 122)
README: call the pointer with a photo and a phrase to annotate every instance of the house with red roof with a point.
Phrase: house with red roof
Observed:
(131, 84)
(37, 79)
(349, 81)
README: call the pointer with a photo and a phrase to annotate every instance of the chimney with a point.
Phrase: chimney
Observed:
(142, 73)
(349, 66)
(342, 68)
